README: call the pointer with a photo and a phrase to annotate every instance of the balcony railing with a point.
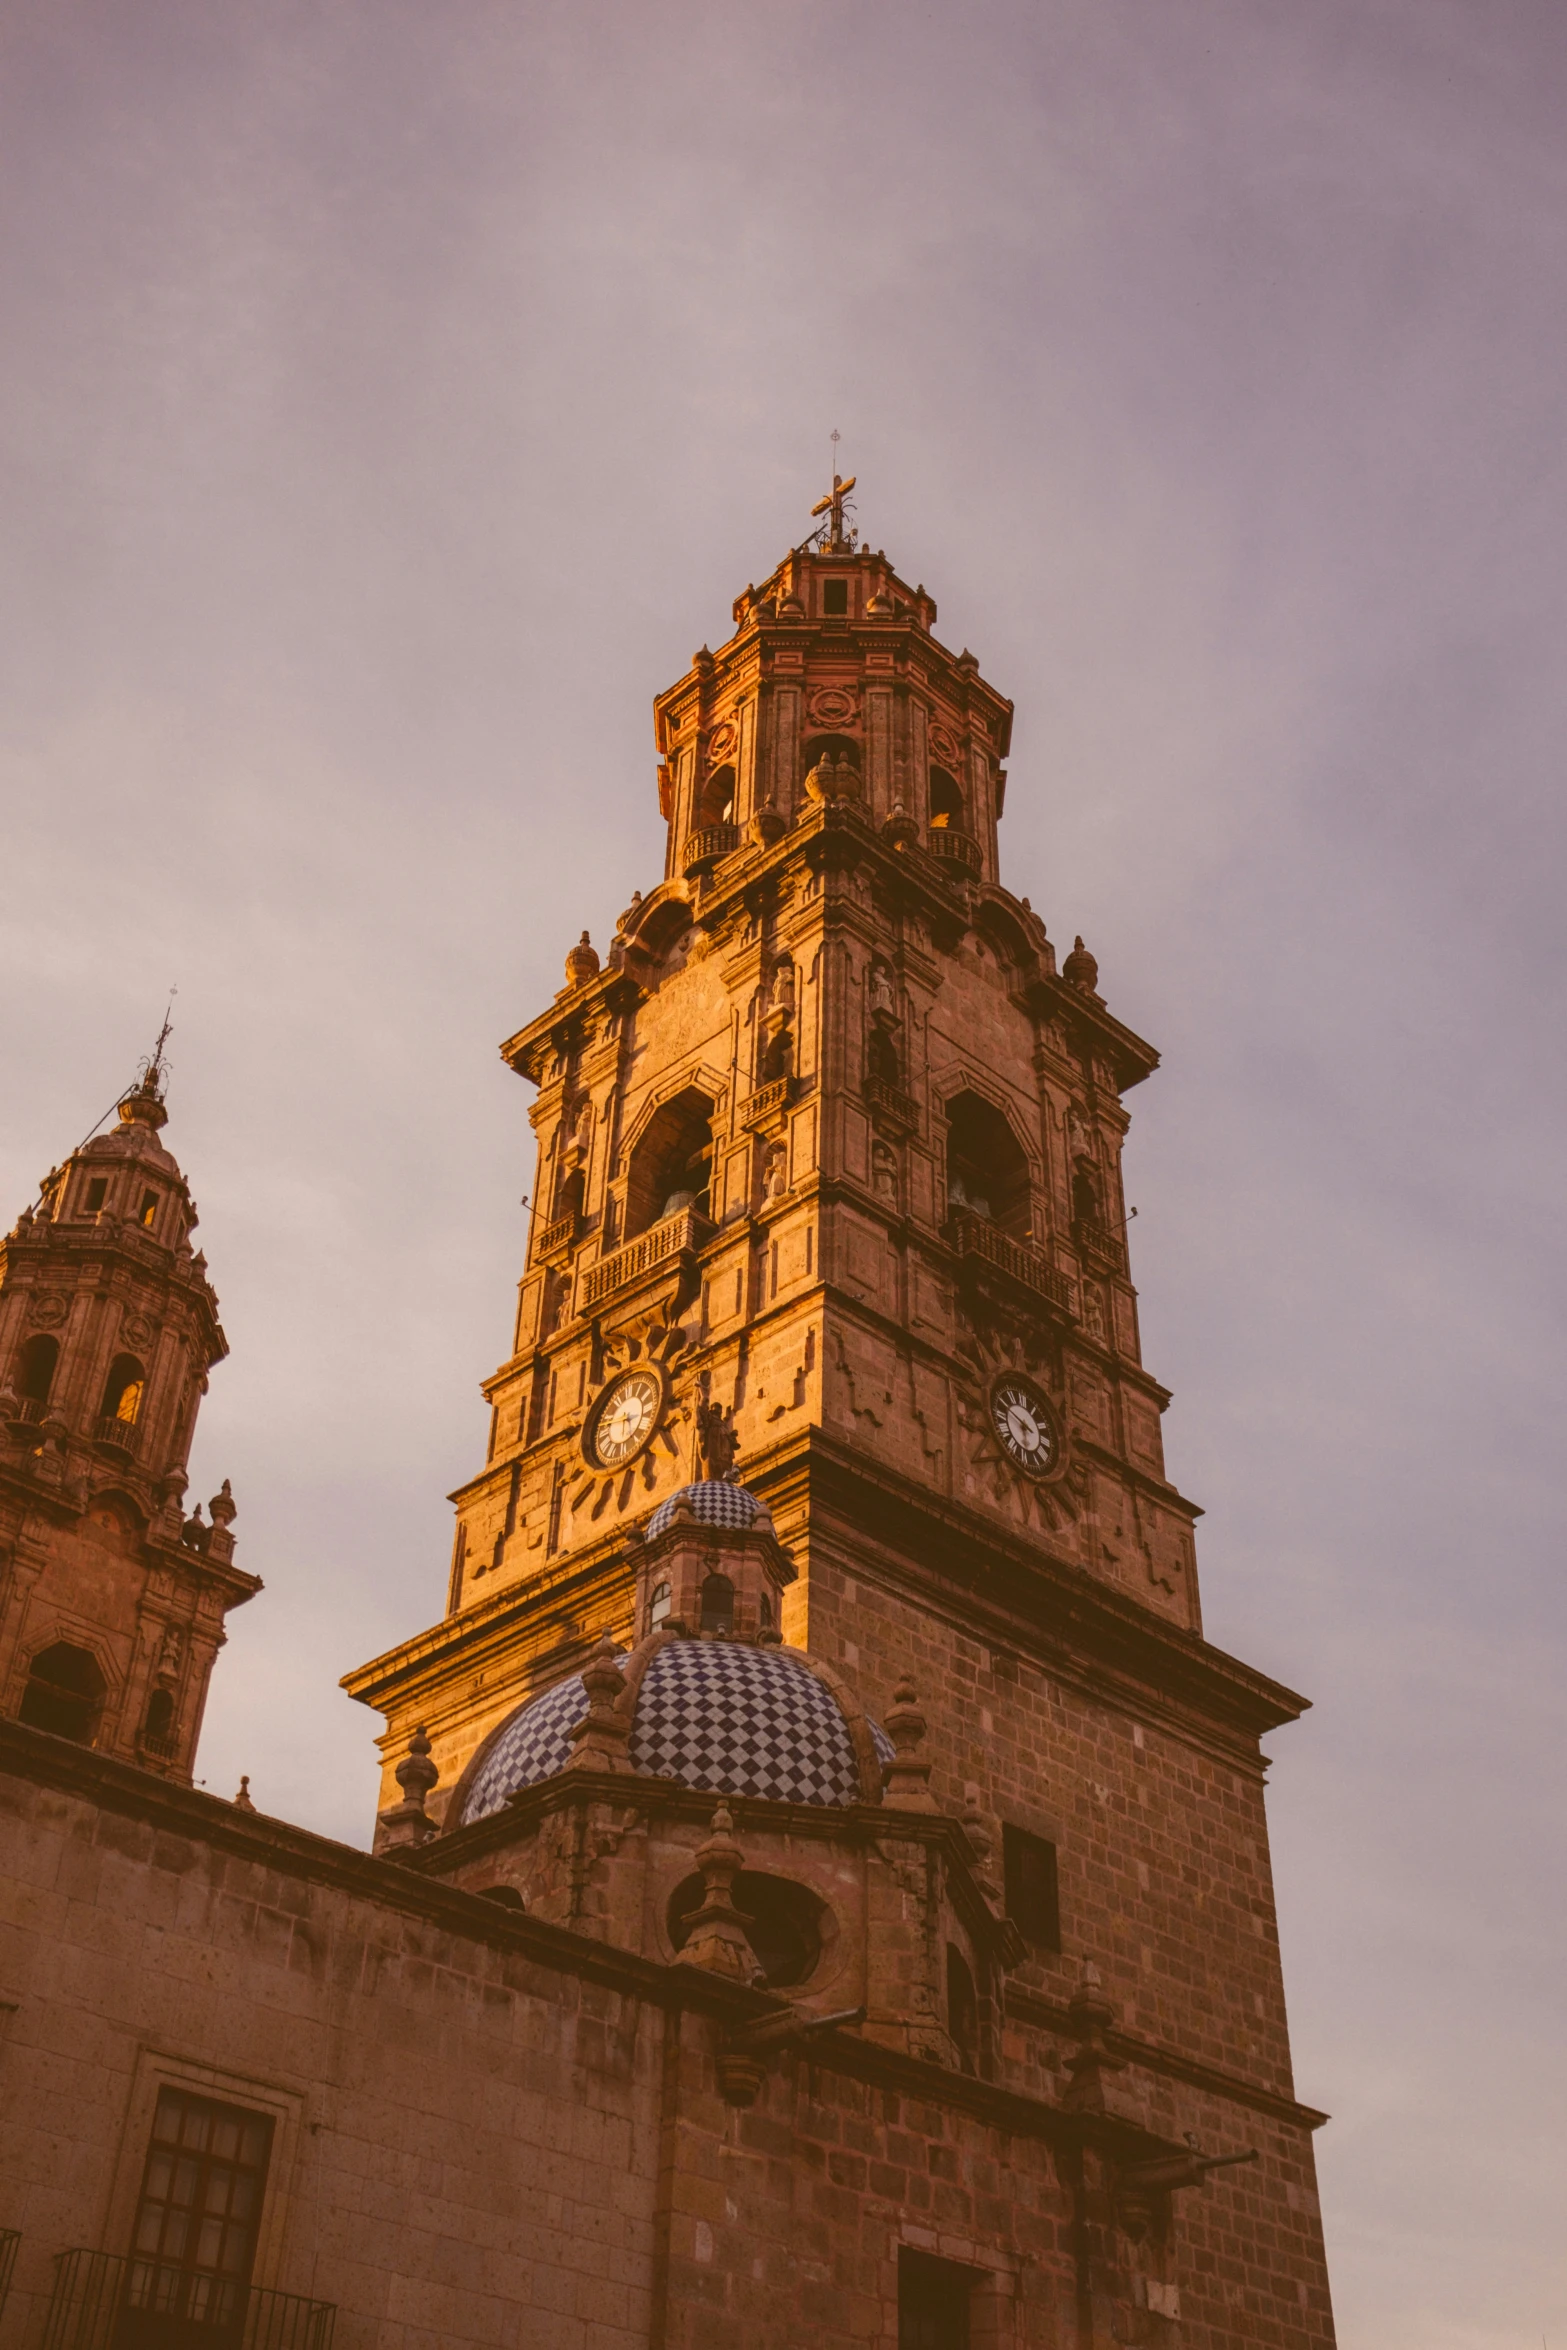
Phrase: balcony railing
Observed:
(956, 847)
(10, 2238)
(768, 1100)
(892, 1102)
(971, 1236)
(117, 1434)
(672, 1238)
(101, 2301)
(705, 848)
(162, 1745)
(554, 1239)
(1101, 1249)
(27, 1410)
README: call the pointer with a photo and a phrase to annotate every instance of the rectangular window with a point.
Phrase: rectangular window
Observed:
(1032, 1886)
(148, 1209)
(934, 2300)
(196, 2223)
(97, 1193)
(835, 596)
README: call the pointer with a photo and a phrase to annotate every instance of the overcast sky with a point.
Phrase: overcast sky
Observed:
(392, 396)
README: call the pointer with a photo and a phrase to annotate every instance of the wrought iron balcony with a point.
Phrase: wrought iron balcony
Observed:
(704, 849)
(971, 1236)
(674, 1237)
(892, 1102)
(102, 2301)
(116, 1435)
(27, 1411)
(957, 848)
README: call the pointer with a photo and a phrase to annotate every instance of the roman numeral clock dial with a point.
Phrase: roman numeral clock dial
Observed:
(1026, 1427)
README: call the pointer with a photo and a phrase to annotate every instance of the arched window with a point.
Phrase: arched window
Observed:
(987, 1174)
(881, 1058)
(122, 1391)
(717, 802)
(946, 801)
(157, 1730)
(784, 1923)
(765, 1609)
(658, 1606)
(671, 1167)
(35, 1369)
(836, 747)
(718, 1604)
(1085, 1197)
(962, 2009)
(65, 1692)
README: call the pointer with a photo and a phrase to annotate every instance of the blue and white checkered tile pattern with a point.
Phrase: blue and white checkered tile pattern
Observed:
(533, 1745)
(742, 1721)
(714, 1504)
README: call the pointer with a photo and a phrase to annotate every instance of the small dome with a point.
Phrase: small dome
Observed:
(715, 1503)
(713, 1714)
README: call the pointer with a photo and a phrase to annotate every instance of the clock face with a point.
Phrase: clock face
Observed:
(1026, 1426)
(626, 1417)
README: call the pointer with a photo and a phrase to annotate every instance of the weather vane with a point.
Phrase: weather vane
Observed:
(833, 538)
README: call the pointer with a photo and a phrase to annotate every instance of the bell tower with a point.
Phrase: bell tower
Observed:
(829, 1190)
(111, 1600)
(829, 1154)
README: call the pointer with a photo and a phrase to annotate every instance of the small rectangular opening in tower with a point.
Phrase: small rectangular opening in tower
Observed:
(97, 1192)
(148, 1209)
(835, 597)
(1033, 1893)
(935, 2302)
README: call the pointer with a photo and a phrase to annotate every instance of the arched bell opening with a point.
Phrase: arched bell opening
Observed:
(65, 1692)
(717, 1604)
(671, 1166)
(716, 800)
(836, 747)
(785, 1924)
(945, 802)
(36, 1365)
(987, 1172)
(122, 1391)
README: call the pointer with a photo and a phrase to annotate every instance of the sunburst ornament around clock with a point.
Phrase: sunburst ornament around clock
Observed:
(1026, 1426)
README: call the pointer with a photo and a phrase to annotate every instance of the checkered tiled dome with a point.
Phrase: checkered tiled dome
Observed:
(714, 1504)
(716, 1714)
